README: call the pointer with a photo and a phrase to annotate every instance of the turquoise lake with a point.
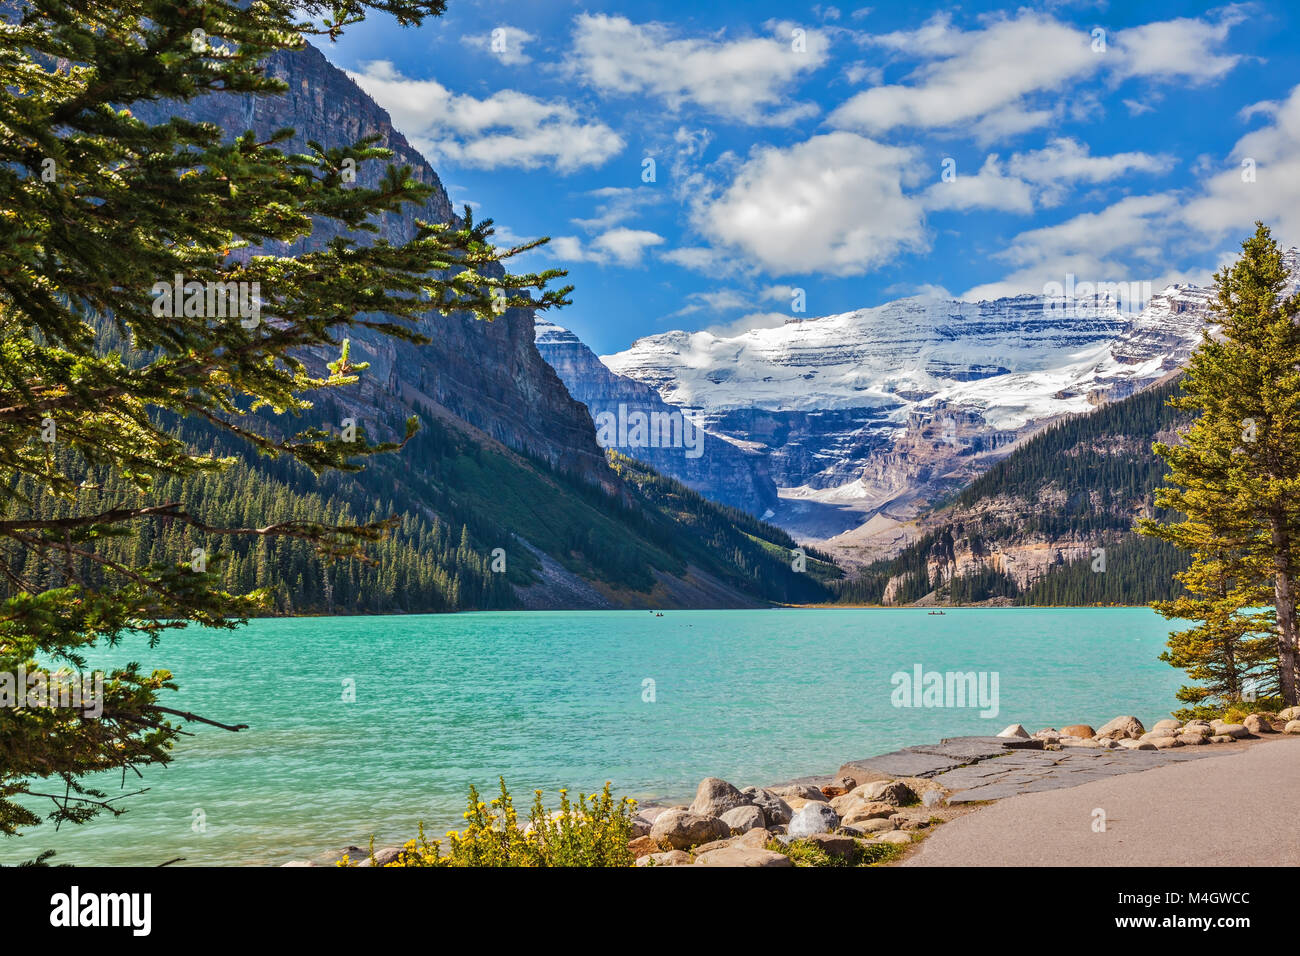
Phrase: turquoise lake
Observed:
(555, 699)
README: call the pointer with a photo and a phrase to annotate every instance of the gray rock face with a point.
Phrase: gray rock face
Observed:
(813, 818)
(724, 470)
(714, 797)
(743, 819)
(488, 373)
(775, 810)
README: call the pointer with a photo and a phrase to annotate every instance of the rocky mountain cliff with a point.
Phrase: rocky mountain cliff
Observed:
(722, 468)
(1049, 524)
(877, 412)
(487, 373)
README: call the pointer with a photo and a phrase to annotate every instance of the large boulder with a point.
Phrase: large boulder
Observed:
(861, 812)
(1292, 727)
(714, 797)
(683, 829)
(642, 846)
(759, 838)
(1121, 728)
(1259, 723)
(895, 836)
(1193, 740)
(669, 858)
(933, 798)
(743, 856)
(813, 818)
(804, 791)
(875, 825)
(1170, 725)
(1166, 743)
(743, 819)
(1235, 731)
(1015, 730)
(841, 847)
(775, 810)
(888, 791)
(1078, 730)
(1289, 714)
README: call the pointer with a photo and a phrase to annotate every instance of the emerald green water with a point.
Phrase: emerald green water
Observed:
(555, 699)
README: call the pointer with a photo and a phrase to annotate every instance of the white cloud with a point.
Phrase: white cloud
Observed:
(746, 80)
(505, 43)
(978, 75)
(1124, 242)
(1138, 107)
(1183, 49)
(832, 204)
(1066, 161)
(1136, 238)
(507, 128)
(990, 188)
(1230, 202)
(995, 81)
(717, 300)
(617, 204)
(620, 246)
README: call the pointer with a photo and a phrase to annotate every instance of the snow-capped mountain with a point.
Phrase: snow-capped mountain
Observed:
(722, 468)
(883, 409)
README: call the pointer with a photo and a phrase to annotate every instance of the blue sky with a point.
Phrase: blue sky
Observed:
(806, 147)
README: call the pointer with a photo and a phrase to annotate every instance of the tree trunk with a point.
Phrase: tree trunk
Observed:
(1284, 596)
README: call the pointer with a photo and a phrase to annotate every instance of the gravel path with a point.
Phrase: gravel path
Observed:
(1239, 809)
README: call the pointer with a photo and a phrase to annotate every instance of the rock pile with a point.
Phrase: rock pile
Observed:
(726, 826)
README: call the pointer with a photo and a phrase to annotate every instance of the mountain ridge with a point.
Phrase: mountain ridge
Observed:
(880, 411)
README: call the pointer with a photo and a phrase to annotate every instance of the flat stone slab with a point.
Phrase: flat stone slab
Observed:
(904, 763)
(930, 760)
(967, 748)
(993, 768)
(1033, 772)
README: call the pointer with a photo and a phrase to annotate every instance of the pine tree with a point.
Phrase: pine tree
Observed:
(99, 348)
(1235, 475)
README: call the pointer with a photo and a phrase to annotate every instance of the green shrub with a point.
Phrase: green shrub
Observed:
(593, 832)
(807, 853)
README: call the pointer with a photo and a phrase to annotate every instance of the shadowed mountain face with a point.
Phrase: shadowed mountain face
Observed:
(487, 373)
(721, 468)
